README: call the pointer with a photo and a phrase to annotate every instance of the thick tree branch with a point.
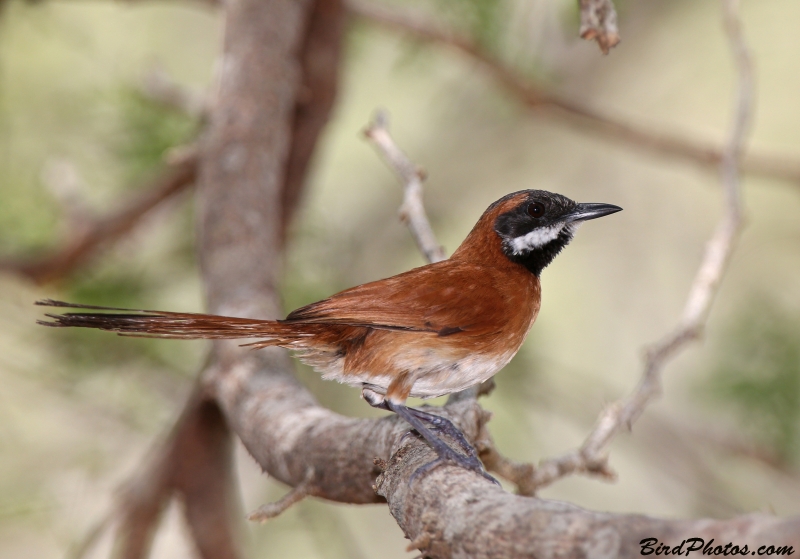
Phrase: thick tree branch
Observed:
(195, 463)
(195, 460)
(587, 119)
(86, 242)
(321, 60)
(203, 477)
(454, 513)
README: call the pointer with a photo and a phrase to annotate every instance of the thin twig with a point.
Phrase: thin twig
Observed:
(297, 494)
(592, 456)
(588, 119)
(599, 22)
(84, 242)
(412, 212)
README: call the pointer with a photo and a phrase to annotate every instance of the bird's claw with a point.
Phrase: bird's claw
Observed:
(471, 463)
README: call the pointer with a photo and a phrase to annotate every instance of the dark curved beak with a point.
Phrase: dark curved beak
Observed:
(584, 212)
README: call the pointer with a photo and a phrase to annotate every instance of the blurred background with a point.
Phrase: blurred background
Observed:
(80, 134)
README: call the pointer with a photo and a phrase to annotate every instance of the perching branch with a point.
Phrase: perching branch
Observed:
(84, 243)
(453, 513)
(551, 104)
(412, 212)
(592, 456)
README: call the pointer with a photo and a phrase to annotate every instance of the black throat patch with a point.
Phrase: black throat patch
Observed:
(537, 259)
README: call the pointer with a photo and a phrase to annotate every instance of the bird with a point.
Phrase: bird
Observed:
(433, 330)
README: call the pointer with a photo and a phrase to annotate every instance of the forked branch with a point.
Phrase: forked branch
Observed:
(83, 243)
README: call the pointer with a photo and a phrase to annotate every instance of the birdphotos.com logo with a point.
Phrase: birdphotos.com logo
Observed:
(698, 546)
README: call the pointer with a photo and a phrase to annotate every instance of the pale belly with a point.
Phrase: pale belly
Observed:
(436, 378)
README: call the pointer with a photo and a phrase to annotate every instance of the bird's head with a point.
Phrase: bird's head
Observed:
(535, 225)
(540, 224)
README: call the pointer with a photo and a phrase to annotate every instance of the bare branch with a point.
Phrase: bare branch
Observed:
(587, 119)
(85, 242)
(194, 462)
(591, 457)
(142, 500)
(599, 22)
(412, 212)
(297, 494)
(320, 59)
(202, 475)
(454, 513)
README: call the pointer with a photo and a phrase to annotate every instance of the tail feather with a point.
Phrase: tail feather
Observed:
(164, 324)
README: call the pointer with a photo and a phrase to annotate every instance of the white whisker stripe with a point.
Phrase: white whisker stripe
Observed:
(536, 238)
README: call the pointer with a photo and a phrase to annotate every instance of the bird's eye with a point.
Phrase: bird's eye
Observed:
(536, 209)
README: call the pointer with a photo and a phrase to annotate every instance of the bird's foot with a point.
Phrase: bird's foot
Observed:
(451, 456)
(444, 426)
(417, 419)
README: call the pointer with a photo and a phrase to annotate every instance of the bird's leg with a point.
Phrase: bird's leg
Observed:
(438, 424)
(415, 418)
(446, 454)
(378, 401)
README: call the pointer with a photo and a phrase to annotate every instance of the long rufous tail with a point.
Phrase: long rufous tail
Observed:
(163, 324)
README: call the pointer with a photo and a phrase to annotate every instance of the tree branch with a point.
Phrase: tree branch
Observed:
(202, 475)
(320, 59)
(587, 119)
(83, 244)
(412, 212)
(195, 463)
(454, 513)
(297, 494)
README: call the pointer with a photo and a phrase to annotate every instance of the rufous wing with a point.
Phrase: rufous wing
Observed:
(447, 297)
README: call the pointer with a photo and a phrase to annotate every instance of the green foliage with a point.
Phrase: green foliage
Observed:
(28, 215)
(759, 376)
(148, 130)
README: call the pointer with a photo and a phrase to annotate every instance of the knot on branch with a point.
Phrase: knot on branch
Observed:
(599, 467)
